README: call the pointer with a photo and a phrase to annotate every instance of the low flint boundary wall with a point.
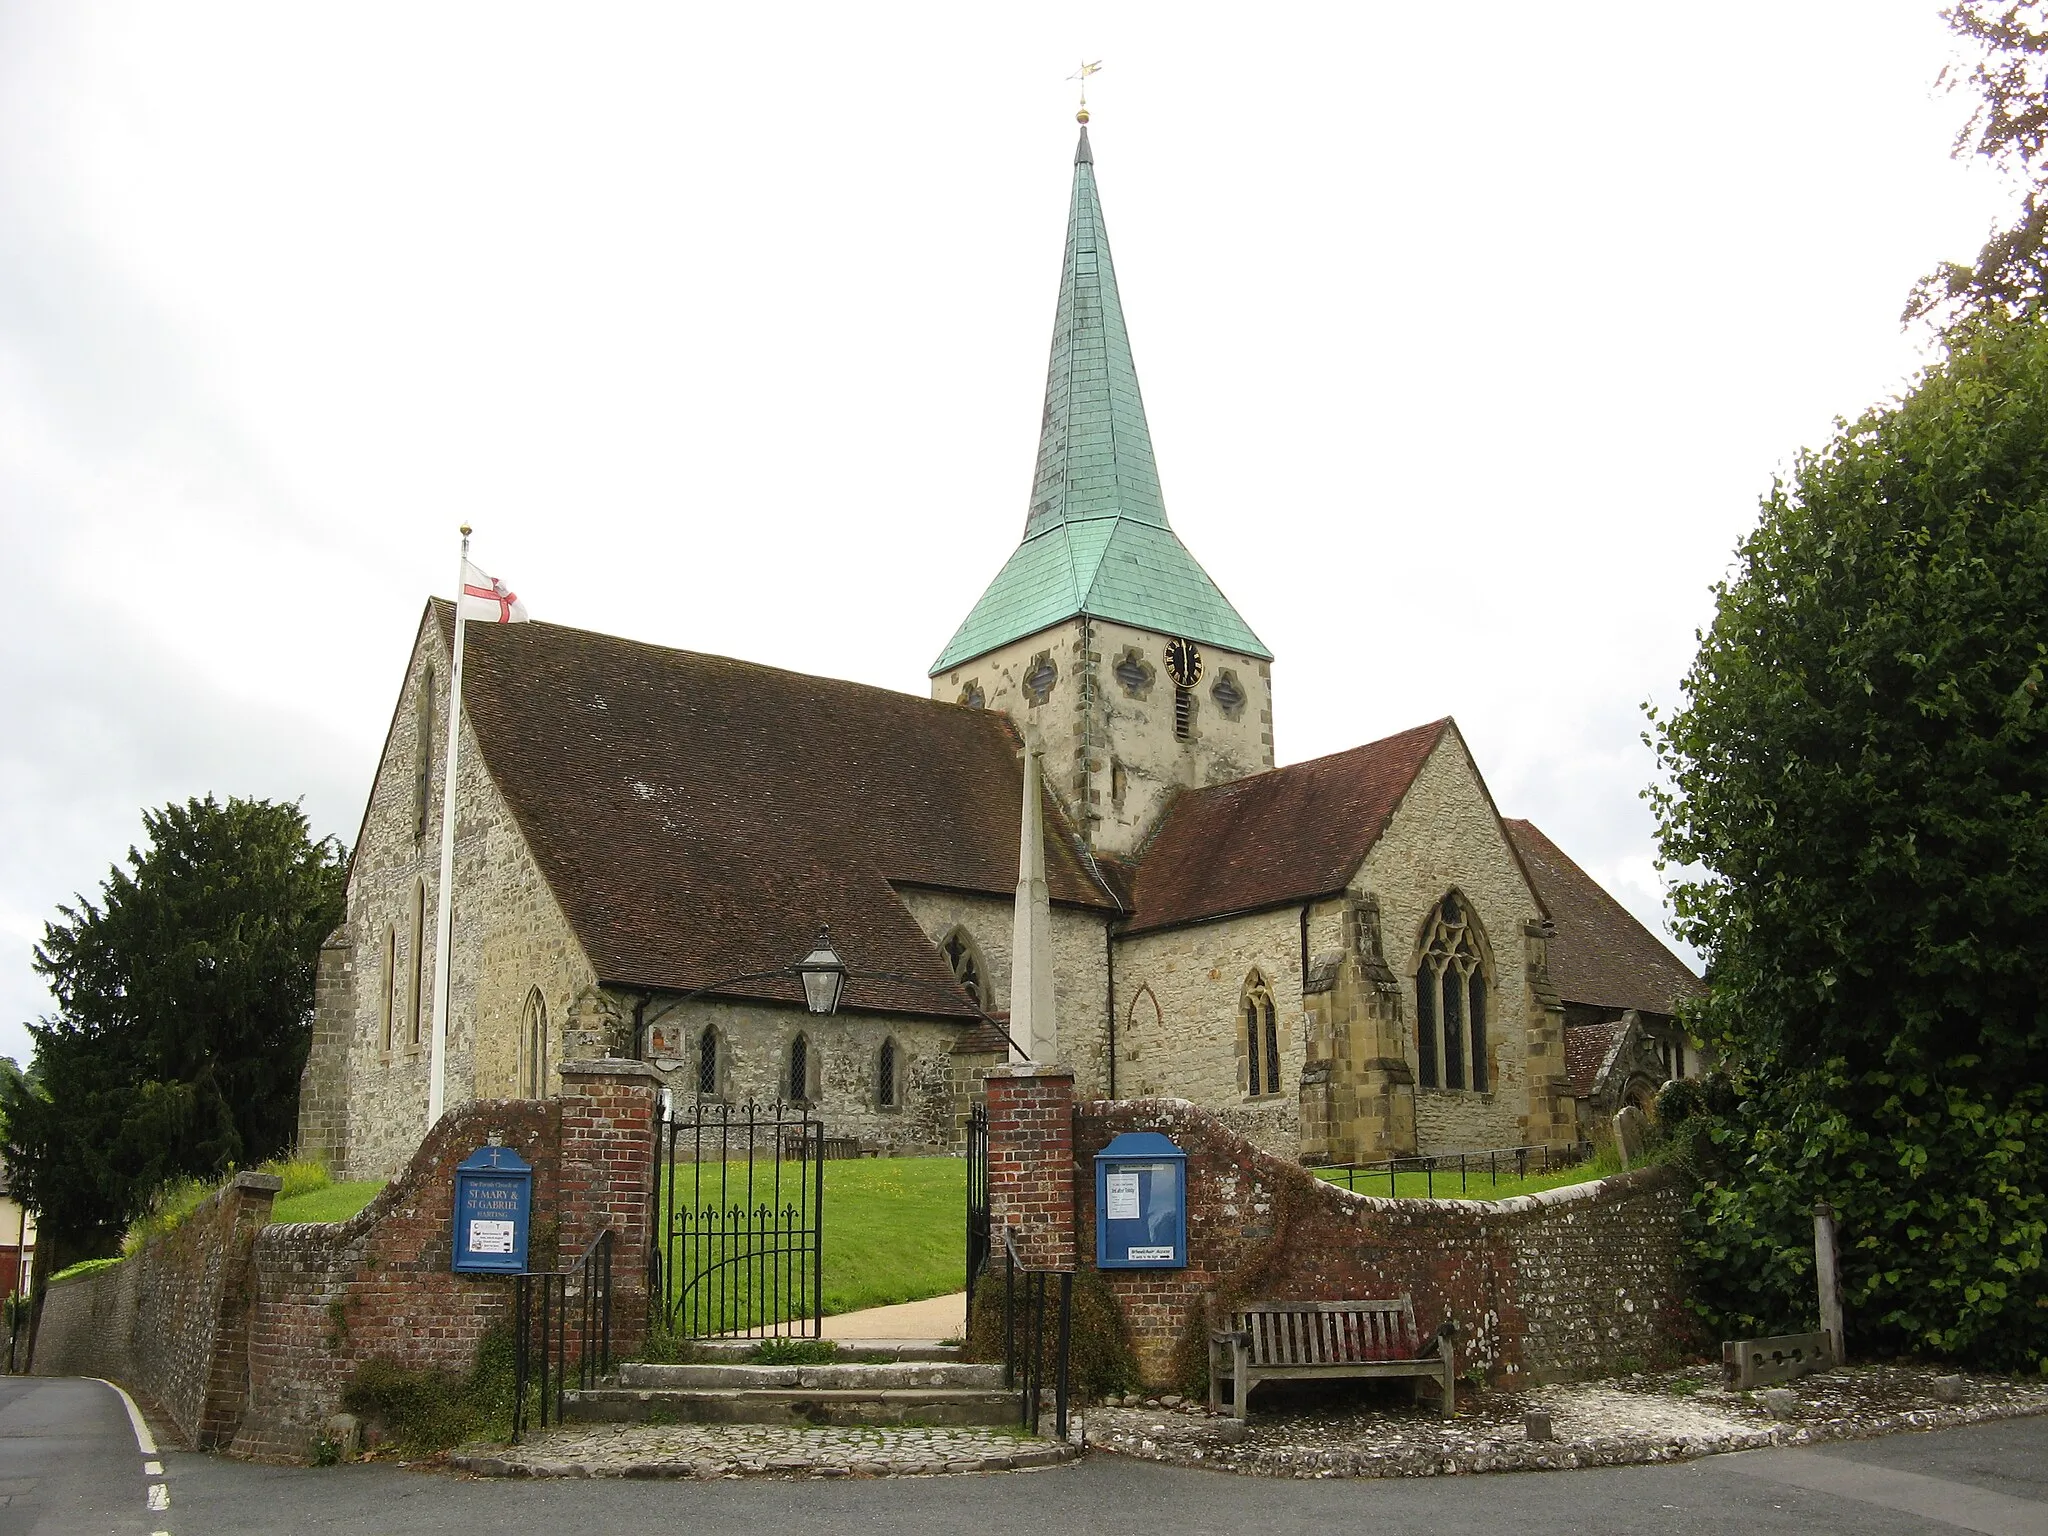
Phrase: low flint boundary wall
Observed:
(1573, 1282)
(246, 1332)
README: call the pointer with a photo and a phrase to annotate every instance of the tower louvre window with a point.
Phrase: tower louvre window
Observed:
(1038, 682)
(1228, 694)
(1183, 713)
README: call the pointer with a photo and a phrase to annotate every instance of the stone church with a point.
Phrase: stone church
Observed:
(1345, 959)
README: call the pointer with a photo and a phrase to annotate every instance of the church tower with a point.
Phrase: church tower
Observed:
(1101, 633)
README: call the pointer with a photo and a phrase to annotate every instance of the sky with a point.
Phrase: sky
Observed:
(1469, 336)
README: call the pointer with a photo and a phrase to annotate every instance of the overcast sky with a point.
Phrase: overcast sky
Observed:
(1469, 337)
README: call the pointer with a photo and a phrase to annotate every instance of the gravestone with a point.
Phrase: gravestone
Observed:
(1631, 1135)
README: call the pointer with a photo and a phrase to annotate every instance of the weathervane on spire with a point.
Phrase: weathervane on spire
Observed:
(1082, 75)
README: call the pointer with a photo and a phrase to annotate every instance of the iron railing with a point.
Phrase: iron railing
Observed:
(1024, 1341)
(739, 1227)
(547, 1308)
(977, 1201)
(1469, 1167)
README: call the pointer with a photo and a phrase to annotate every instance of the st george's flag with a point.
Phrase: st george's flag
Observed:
(488, 600)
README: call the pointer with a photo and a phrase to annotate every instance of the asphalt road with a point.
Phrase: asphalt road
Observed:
(69, 1464)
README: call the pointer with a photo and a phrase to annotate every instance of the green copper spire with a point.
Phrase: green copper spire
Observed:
(1096, 540)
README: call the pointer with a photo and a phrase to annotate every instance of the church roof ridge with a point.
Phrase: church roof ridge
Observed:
(1096, 537)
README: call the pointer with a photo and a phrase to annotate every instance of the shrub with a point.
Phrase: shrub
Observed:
(1099, 1360)
(423, 1411)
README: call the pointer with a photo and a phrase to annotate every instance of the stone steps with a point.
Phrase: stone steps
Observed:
(796, 1406)
(912, 1375)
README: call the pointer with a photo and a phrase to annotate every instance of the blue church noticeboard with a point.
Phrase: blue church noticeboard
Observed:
(493, 1204)
(1141, 1203)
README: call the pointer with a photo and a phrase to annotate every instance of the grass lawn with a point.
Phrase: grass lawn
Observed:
(895, 1229)
(330, 1202)
(1445, 1184)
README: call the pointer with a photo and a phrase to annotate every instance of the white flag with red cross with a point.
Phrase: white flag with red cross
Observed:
(488, 600)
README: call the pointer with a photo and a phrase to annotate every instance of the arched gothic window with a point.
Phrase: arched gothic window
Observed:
(423, 752)
(887, 1088)
(1261, 1038)
(709, 1050)
(965, 959)
(1450, 1000)
(417, 1000)
(387, 1006)
(797, 1085)
(533, 1047)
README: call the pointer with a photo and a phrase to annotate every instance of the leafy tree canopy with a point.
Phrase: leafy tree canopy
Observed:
(1859, 776)
(184, 1002)
(2009, 128)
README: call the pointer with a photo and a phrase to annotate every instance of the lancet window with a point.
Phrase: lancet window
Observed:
(1261, 1027)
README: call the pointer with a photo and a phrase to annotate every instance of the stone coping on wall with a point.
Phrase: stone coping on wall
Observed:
(1031, 1069)
(609, 1066)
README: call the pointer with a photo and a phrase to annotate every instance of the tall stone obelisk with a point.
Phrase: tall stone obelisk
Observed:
(1032, 1023)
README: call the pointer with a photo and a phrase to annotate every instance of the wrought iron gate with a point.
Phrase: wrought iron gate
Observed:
(977, 1200)
(739, 1198)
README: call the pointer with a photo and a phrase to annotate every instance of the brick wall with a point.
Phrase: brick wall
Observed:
(247, 1331)
(1571, 1282)
(1031, 1162)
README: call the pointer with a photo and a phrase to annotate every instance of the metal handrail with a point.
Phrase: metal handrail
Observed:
(593, 1272)
(1031, 1392)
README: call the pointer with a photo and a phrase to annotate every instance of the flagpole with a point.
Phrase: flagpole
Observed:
(437, 1071)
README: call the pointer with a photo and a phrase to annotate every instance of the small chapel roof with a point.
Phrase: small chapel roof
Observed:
(1293, 834)
(698, 817)
(1601, 956)
(1096, 539)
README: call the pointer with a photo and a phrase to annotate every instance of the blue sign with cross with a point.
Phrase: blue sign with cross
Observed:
(1141, 1203)
(493, 1207)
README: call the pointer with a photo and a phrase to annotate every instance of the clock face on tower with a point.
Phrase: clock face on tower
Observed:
(1184, 662)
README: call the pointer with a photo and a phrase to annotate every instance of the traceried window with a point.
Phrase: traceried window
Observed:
(1261, 1028)
(533, 1047)
(1450, 1000)
(887, 1066)
(965, 959)
(798, 1086)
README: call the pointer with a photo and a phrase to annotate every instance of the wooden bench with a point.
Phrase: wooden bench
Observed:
(1313, 1340)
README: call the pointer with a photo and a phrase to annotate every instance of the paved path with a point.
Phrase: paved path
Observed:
(937, 1317)
(70, 1461)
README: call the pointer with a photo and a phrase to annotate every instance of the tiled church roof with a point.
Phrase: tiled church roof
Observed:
(1293, 834)
(1586, 1049)
(1601, 955)
(699, 817)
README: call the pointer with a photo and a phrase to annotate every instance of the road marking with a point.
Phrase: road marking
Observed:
(1931, 1498)
(152, 1469)
(143, 1442)
(159, 1496)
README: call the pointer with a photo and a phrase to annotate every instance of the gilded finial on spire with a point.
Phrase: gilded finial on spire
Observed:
(1082, 75)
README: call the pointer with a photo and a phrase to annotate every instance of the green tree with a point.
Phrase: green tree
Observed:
(2009, 129)
(1858, 782)
(184, 1001)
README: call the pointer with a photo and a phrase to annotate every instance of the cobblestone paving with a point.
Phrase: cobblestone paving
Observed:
(1671, 1416)
(759, 1450)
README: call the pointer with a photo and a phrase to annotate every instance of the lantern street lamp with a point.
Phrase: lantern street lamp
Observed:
(824, 976)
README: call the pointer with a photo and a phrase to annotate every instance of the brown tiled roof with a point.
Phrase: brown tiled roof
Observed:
(1289, 835)
(698, 817)
(1585, 1049)
(1601, 955)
